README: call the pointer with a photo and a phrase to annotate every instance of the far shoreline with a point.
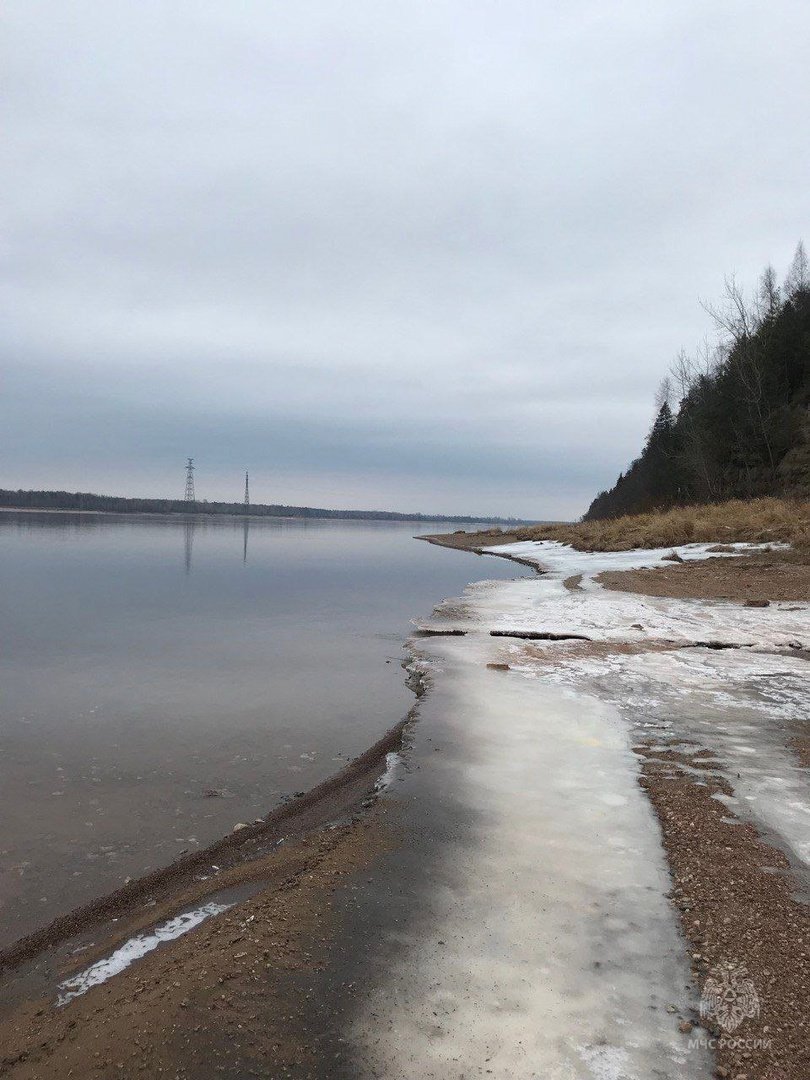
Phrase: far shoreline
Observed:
(179, 515)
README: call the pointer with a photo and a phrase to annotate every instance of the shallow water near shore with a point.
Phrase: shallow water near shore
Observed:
(163, 680)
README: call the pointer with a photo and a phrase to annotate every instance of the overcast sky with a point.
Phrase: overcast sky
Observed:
(422, 256)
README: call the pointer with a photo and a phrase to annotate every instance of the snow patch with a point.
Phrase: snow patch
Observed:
(133, 950)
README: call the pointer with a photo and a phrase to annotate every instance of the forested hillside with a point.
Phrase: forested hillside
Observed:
(733, 421)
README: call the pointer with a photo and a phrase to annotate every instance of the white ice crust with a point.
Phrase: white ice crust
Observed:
(602, 614)
(133, 950)
(549, 948)
(739, 702)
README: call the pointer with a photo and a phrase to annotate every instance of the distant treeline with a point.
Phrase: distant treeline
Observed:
(79, 500)
(733, 421)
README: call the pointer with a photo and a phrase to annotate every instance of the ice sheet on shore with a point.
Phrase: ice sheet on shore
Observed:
(742, 707)
(602, 614)
(547, 947)
(737, 702)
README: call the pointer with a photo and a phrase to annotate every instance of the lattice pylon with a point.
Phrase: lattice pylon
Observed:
(190, 481)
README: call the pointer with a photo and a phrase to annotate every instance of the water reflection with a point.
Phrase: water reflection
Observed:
(188, 535)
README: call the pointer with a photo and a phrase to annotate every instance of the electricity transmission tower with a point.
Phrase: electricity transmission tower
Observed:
(190, 481)
(247, 494)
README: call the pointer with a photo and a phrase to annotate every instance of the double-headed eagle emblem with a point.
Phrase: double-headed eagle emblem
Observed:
(729, 996)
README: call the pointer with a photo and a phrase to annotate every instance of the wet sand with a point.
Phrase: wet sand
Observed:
(248, 853)
(234, 997)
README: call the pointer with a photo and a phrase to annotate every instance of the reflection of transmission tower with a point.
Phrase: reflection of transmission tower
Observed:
(246, 522)
(190, 481)
(188, 527)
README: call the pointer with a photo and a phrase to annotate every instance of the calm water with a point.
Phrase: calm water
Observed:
(145, 661)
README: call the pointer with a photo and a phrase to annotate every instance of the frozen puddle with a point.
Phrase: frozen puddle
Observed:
(133, 950)
(543, 943)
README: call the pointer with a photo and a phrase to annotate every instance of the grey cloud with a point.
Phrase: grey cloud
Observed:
(443, 250)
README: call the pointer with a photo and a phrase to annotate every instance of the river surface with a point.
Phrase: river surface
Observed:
(146, 662)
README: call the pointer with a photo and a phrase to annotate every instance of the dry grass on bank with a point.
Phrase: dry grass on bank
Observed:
(753, 520)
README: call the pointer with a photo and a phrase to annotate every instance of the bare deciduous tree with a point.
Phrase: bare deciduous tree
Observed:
(798, 277)
(738, 321)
